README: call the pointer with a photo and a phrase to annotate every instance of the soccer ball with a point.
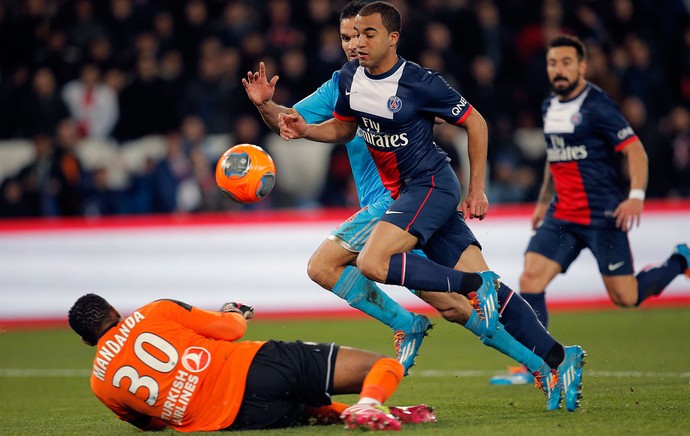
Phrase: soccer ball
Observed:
(246, 173)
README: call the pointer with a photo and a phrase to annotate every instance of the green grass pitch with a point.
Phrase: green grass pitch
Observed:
(636, 380)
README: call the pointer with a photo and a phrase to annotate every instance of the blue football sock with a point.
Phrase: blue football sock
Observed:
(653, 281)
(364, 295)
(475, 324)
(506, 344)
(538, 303)
(522, 323)
(418, 272)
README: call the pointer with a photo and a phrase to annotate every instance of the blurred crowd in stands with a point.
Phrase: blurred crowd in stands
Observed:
(119, 70)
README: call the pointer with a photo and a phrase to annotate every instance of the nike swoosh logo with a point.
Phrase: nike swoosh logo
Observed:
(348, 92)
(615, 266)
(390, 212)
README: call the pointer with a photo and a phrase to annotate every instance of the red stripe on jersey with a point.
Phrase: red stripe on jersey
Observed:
(464, 116)
(626, 142)
(387, 165)
(572, 204)
(428, 194)
(349, 119)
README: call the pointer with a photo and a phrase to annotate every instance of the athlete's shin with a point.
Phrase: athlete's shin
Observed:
(652, 281)
(364, 295)
(522, 323)
(508, 345)
(417, 272)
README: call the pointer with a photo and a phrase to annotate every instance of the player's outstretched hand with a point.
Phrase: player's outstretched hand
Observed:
(628, 214)
(476, 205)
(292, 125)
(259, 89)
(246, 311)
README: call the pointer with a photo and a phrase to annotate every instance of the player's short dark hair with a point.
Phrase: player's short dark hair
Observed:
(390, 15)
(352, 9)
(87, 316)
(569, 41)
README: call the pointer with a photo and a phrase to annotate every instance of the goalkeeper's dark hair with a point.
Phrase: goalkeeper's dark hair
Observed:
(87, 316)
(352, 9)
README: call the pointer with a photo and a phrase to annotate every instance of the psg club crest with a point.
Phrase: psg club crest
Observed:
(196, 359)
(576, 119)
(394, 104)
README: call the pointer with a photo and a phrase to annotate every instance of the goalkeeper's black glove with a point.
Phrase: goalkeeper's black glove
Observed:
(246, 311)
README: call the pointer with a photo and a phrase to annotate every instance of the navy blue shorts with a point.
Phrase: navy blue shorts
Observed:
(428, 209)
(283, 378)
(562, 241)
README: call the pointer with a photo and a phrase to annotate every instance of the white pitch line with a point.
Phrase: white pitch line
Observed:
(486, 373)
(42, 372)
(428, 373)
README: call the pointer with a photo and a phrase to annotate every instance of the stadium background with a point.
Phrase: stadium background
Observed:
(120, 108)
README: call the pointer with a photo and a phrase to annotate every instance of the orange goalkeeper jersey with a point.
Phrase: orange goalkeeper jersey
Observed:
(176, 363)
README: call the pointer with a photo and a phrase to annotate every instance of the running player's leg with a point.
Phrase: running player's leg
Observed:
(538, 271)
(330, 266)
(550, 251)
(457, 309)
(611, 248)
(516, 315)
(413, 218)
(564, 379)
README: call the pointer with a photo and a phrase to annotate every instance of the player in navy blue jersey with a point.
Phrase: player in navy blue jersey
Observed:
(581, 204)
(394, 102)
(331, 265)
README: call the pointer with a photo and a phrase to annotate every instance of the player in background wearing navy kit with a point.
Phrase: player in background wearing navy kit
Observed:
(381, 95)
(580, 204)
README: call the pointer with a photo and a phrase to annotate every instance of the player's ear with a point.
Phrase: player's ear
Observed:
(393, 38)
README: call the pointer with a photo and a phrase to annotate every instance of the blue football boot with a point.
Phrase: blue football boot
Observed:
(407, 342)
(485, 302)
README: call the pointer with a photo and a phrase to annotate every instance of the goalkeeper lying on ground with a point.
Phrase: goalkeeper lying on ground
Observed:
(169, 364)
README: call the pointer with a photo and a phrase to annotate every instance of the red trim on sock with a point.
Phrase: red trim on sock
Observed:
(505, 303)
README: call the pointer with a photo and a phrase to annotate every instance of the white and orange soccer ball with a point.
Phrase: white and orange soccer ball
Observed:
(246, 173)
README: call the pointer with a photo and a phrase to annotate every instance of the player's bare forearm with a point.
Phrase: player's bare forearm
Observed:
(332, 131)
(476, 204)
(628, 214)
(545, 195)
(293, 126)
(547, 187)
(637, 165)
(269, 112)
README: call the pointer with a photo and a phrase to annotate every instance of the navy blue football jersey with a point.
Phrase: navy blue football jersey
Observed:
(583, 135)
(395, 112)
